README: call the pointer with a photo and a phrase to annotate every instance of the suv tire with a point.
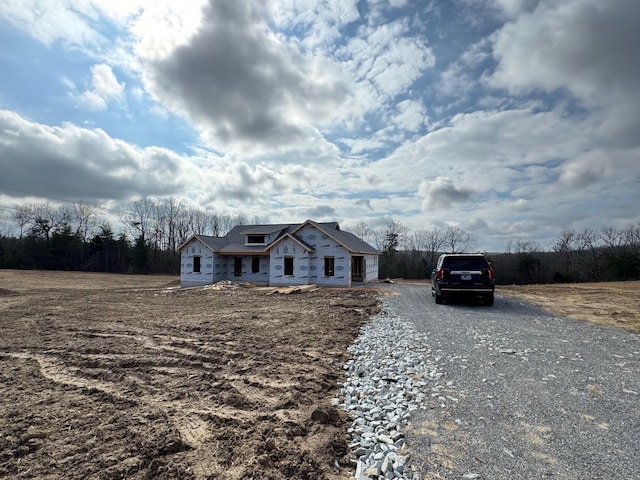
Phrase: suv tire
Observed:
(488, 299)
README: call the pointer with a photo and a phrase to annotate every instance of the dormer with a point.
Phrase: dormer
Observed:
(255, 239)
(261, 235)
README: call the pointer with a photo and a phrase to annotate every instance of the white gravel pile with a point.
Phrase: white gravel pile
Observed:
(390, 375)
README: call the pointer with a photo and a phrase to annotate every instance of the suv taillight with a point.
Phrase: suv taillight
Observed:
(488, 273)
(442, 273)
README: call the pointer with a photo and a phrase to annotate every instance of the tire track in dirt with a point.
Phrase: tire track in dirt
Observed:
(184, 383)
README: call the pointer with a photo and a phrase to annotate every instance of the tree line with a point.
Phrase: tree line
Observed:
(76, 237)
(588, 255)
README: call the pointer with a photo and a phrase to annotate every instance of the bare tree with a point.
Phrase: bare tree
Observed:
(215, 224)
(527, 246)
(227, 222)
(623, 251)
(173, 209)
(182, 228)
(434, 241)
(200, 222)
(84, 219)
(4, 228)
(631, 238)
(45, 218)
(565, 244)
(457, 240)
(158, 226)
(240, 219)
(589, 242)
(137, 220)
(417, 254)
(377, 238)
(611, 237)
(23, 215)
(362, 231)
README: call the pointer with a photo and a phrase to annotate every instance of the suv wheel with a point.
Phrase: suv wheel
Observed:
(488, 299)
(439, 299)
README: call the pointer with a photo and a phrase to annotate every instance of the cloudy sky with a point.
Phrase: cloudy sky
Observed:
(512, 119)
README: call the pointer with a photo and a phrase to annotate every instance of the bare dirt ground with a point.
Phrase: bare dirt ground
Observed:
(113, 376)
(607, 303)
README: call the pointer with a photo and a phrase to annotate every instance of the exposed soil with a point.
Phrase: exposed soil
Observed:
(112, 376)
(607, 303)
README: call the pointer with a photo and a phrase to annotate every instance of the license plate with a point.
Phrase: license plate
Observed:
(466, 277)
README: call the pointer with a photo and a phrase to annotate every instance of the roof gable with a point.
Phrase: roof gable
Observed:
(346, 239)
(212, 243)
(299, 241)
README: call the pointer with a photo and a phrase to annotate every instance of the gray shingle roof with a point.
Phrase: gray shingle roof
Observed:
(214, 243)
(234, 241)
(352, 243)
(260, 229)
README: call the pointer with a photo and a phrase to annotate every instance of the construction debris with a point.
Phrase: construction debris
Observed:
(295, 289)
(284, 290)
(225, 285)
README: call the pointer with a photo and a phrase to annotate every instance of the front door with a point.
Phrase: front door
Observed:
(237, 267)
(357, 269)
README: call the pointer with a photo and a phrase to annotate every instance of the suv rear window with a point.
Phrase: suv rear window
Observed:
(462, 263)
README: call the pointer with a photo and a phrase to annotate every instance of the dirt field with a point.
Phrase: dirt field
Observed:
(606, 303)
(111, 376)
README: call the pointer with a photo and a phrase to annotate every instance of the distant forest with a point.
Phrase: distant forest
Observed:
(75, 238)
(40, 236)
(606, 254)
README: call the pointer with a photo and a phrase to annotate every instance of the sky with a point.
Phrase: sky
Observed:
(511, 119)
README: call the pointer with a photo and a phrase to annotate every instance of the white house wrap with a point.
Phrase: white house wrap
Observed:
(283, 254)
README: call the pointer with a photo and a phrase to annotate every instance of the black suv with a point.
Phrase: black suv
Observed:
(463, 273)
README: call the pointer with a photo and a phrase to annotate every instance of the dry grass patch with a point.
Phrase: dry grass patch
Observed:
(606, 303)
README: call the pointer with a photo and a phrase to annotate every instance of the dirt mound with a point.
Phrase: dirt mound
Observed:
(178, 383)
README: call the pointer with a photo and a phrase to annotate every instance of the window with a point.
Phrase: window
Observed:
(237, 266)
(196, 264)
(255, 264)
(257, 239)
(288, 265)
(329, 266)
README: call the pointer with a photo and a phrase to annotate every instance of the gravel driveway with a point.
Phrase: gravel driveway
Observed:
(527, 396)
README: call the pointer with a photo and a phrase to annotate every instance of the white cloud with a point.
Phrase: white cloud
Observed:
(513, 8)
(585, 47)
(484, 149)
(81, 163)
(322, 20)
(388, 57)
(50, 21)
(163, 26)
(104, 88)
